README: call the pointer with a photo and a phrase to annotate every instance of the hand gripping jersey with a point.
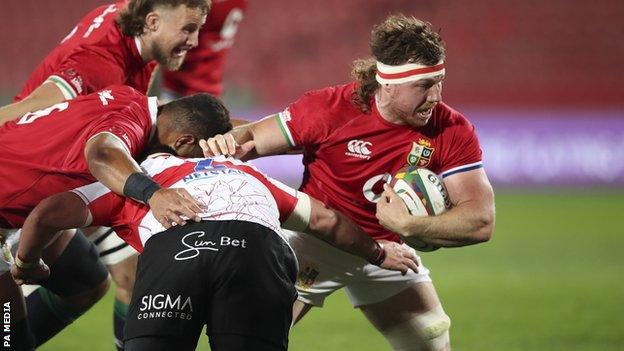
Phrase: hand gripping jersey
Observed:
(42, 153)
(94, 55)
(228, 189)
(348, 154)
(204, 65)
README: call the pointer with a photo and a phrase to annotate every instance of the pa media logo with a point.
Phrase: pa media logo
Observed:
(359, 148)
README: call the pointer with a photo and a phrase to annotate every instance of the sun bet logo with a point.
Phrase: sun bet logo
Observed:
(359, 148)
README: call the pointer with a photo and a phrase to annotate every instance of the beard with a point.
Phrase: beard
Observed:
(164, 58)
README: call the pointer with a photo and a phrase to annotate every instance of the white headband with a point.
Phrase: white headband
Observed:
(409, 72)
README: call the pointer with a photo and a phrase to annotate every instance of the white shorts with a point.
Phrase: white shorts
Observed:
(112, 248)
(324, 269)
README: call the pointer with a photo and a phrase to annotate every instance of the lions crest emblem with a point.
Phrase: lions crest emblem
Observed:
(420, 154)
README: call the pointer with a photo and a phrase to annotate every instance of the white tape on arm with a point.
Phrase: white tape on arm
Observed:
(300, 216)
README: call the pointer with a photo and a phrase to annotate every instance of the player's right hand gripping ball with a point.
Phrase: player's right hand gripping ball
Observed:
(424, 194)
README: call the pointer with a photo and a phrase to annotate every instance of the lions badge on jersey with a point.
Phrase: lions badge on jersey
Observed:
(306, 278)
(421, 153)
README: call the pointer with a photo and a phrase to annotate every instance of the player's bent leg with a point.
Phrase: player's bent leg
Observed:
(123, 274)
(77, 281)
(121, 260)
(412, 319)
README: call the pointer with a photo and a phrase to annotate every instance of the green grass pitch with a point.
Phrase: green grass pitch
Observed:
(550, 279)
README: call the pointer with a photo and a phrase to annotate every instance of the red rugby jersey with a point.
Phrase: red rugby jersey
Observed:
(348, 154)
(94, 55)
(42, 153)
(202, 71)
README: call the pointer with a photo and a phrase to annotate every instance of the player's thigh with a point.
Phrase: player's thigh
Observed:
(124, 274)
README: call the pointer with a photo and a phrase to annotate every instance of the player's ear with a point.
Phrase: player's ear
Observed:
(152, 21)
(186, 145)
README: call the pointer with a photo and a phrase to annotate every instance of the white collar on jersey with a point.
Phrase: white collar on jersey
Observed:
(152, 105)
(137, 41)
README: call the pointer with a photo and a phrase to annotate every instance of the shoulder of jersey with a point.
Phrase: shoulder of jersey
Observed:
(446, 116)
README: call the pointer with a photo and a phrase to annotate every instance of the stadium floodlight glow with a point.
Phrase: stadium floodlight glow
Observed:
(409, 72)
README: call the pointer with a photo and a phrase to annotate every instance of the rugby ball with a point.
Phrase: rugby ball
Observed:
(424, 194)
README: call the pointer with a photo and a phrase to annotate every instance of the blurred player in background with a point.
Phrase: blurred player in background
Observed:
(119, 43)
(202, 71)
(353, 137)
(94, 138)
(233, 271)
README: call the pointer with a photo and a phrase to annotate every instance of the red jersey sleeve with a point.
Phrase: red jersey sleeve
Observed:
(132, 133)
(307, 121)
(86, 71)
(462, 151)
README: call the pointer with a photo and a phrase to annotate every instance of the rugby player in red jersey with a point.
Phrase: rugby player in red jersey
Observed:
(76, 142)
(202, 71)
(353, 137)
(119, 43)
(233, 271)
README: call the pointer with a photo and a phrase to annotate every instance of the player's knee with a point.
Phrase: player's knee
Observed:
(426, 331)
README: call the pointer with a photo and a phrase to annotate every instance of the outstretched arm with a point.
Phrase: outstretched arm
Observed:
(249, 141)
(469, 221)
(44, 96)
(313, 217)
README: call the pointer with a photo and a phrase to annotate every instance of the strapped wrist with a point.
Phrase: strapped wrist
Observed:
(22, 264)
(380, 254)
(139, 186)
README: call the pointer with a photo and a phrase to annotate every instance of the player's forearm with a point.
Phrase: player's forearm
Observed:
(44, 96)
(109, 162)
(464, 224)
(112, 167)
(58, 212)
(340, 232)
(15, 110)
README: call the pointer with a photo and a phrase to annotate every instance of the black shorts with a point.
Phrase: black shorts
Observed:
(236, 277)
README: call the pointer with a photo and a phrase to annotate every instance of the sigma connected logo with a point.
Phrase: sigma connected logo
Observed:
(166, 306)
(359, 148)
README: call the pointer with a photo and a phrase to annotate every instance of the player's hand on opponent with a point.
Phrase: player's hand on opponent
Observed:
(392, 212)
(30, 275)
(398, 257)
(173, 205)
(225, 144)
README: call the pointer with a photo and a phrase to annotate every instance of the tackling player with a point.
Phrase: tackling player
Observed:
(94, 138)
(119, 43)
(353, 137)
(233, 271)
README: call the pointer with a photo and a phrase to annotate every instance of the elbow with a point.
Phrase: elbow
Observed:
(485, 228)
(43, 215)
(323, 223)
(99, 157)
